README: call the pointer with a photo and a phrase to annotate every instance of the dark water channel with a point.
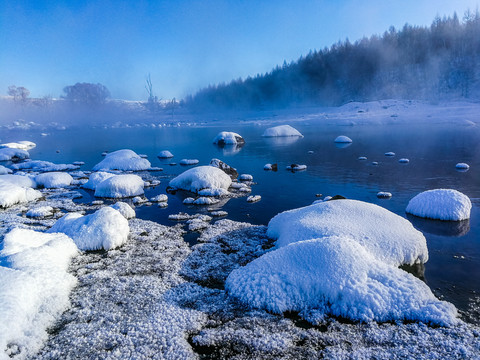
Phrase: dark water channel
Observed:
(453, 271)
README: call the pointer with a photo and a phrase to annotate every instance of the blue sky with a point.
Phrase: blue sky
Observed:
(184, 45)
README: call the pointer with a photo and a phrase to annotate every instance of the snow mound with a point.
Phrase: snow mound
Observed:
(228, 138)
(362, 158)
(23, 145)
(40, 212)
(390, 237)
(384, 195)
(34, 288)
(462, 166)
(96, 178)
(8, 154)
(120, 186)
(441, 204)
(124, 209)
(245, 177)
(403, 161)
(339, 277)
(159, 198)
(254, 198)
(19, 180)
(106, 228)
(123, 160)
(282, 130)
(165, 154)
(296, 167)
(214, 192)
(189, 162)
(40, 165)
(390, 154)
(4, 170)
(342, 139)
(53, 180)
(11, 194)
(201, 177)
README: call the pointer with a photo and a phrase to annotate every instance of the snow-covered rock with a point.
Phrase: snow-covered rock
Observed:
(189, 161)
(228, 138)
(96, 178)
(123, 160)
(296, 167)
(8, 154)
(403, 161)
(201, 177)
(390, 154)
(214, 192)
(40, 165)
(206, 201)
(107, 228)
(232, 172)
(362, 158)
(462, 166)
(165, 154)
(23, 145)
(4, 170)
(34, 288)
(159, 198)
(11, 194)
(19, 180)
(281, 130)
(384, 195)
(441, 204)
(53, 180)
(120, 186)
(123, 208)
(254, 198)
(340, 277)
(390, 237)
(342, 139)
(40, 212)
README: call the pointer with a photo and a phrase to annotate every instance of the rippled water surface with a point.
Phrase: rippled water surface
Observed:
(453, 270)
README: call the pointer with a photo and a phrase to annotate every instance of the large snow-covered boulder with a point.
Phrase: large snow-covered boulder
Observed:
(440, 204)
(107, 228)
(392, 238)
(281, 130)
(53, 180)
(123, 160)
(201, 177)
(340, 277)
(120, 186)
(19, 180)
(124, 209)
(11, 194)
(34, 288)
(8, 154)
(96, 178)
(228, 138)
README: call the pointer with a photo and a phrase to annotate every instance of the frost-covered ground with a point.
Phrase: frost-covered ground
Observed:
(157, 296)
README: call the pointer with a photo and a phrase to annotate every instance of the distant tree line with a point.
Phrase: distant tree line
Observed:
(442, 60)
(86, 93)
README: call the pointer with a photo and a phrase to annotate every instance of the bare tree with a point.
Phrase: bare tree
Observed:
(19, 93)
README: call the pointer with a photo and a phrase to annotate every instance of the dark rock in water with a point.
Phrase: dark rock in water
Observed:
(172, 164)
(171, 190)
(232, 172)
(274, 167)
(337, 197)
(239, 139)
(318, 195)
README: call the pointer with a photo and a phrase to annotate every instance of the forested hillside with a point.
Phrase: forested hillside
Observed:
(437, 62)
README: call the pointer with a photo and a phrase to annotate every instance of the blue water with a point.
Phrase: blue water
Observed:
(453, 270)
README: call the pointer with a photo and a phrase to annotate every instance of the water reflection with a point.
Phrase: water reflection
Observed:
(281, 140)
(439, 227)
(342, 145)
(229, 149)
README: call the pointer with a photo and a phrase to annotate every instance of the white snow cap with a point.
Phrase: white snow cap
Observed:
(228, 138)
(124, 209)
(106, 228)
(19, 180)
(53, 180)
(282, 130)
(11, 194)
(40, 212)
(7, 154)
(34, 288)
(96, 178)
(340, 277)
(123, 160)
(4, 170)
(462, 166)
(120, 186)
(441, 204)
(165, 154)
(189, 161)
(390, 237)
(201, 177)
(342, 139)
(23, 145)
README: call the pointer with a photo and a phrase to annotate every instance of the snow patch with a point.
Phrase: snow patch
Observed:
(441, 204)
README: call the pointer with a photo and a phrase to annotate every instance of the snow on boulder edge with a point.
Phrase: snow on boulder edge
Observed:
(440, 204)
(201, 177)
(392, 238)
(340, 277)
(107, 228)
